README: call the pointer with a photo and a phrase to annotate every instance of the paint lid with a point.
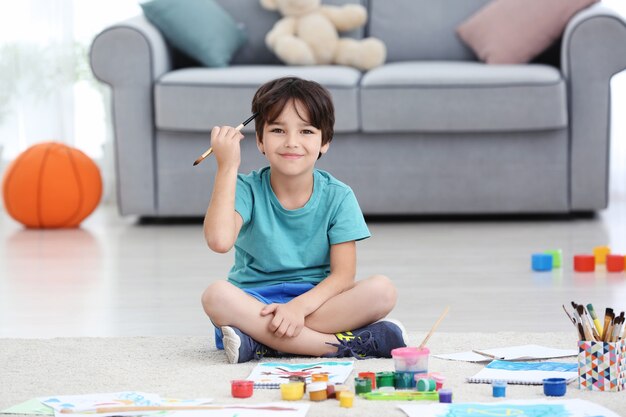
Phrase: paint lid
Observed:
(316, 386)
(409, 352)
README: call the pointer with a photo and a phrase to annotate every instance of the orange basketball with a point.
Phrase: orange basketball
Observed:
(51, 185)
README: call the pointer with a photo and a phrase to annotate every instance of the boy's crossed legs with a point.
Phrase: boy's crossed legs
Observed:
(366, 302)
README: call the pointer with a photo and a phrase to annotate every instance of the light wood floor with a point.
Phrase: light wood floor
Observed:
(113, 277)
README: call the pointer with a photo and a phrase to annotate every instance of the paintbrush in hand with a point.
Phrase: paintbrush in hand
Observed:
(210, 150)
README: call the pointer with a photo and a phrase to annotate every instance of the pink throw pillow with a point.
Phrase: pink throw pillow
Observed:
(515, 31)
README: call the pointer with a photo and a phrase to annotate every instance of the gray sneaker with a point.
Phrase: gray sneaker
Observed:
(375, 340)
(240, 347)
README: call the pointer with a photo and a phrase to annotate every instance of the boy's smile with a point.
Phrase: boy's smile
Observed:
(291, 144)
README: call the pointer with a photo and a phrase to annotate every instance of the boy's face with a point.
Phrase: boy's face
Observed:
(291, 144)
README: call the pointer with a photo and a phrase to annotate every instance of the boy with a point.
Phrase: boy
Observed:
(292, 288)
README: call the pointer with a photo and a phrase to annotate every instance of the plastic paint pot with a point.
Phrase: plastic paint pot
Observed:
(445, 395)
(614, 263)
(319, 378)
(292, 391)
(541, 262)
(554, 387)
(584, 263)
(404, 380)
(384, 379)
(362, 385)
(346, 399)
(439, 379)
(426, 385)
(241, 388)
(498, 388)
(317, 391)
(370, 375)
(410, 359)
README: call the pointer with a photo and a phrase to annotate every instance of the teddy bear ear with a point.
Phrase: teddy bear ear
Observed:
(269, 4)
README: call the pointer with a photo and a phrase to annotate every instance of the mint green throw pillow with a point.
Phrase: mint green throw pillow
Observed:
(201, 29)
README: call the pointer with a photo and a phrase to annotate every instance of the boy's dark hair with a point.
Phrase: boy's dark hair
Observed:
(272, 97)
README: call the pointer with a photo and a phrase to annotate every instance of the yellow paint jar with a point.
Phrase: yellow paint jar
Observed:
(292, 391)
(346, 399)
(317, 391)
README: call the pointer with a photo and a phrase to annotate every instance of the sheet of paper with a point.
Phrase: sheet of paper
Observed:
(512, 353)
(31, 407)
(90, 401)
(272, 374)
(282, 409)
(538, 408)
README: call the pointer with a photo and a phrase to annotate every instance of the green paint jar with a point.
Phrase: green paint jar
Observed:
(384, 379)
(362, 385)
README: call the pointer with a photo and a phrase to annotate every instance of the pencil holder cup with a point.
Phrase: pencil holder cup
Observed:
(602, 366)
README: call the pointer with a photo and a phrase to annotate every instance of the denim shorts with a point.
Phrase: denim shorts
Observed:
(276, 293)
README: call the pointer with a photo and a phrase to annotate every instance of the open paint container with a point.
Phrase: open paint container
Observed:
(554, 387)
(411, 359)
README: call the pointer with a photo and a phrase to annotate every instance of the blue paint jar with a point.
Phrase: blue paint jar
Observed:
(498, 388)
(542, 262)
(554, 387)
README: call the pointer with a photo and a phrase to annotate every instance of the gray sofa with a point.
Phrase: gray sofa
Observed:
(431, 132)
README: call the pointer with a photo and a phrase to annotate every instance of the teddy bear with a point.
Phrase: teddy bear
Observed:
(308, 34)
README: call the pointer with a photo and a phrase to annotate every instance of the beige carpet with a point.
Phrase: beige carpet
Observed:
(190, 367)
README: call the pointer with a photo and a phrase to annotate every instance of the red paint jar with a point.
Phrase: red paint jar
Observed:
(614, 263)
(584, 263)
(241, 388)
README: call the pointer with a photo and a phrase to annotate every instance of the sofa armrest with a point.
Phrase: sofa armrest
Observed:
(130, 56)
(593, 50)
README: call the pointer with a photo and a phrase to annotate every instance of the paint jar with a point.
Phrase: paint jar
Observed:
(319, 378)
(498, 388)
(426, 385)
(404, 380)
(584, 263)
(445, 395)
(295, 378)
(554, 387)
(292, 391)
(384, 379)
(541, 262)
(317, 391)
(439, 380)
(346, 399)
(241, 388)
(362, 385)
(410, 359)
(370, 375)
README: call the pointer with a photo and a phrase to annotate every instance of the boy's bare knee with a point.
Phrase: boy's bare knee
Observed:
(386, 293)
(213, 299)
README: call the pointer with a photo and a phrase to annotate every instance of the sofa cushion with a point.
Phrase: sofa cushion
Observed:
(201, 29)
(196, 99)
(462, 97)
(516, 31)
(421, 29)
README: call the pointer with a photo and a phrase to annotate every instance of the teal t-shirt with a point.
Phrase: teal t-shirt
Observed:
(277, 245)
